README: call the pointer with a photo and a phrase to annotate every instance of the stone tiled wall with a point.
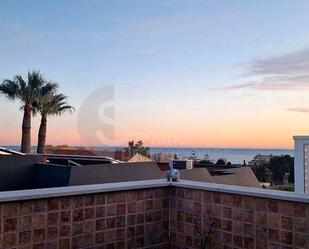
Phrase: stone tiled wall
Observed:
(156, 218)
(238, 221)
(129, 219)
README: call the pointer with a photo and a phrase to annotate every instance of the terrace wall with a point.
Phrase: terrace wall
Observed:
(239, 221)
(153, 214)
(125, 219)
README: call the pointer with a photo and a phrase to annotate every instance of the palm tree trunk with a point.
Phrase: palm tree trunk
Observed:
(42, 135)
(26, 130)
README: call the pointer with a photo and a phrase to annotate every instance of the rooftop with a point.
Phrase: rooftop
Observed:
(32, 172)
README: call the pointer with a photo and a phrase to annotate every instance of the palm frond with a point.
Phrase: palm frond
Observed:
(53, 104)
(10, 89)
(35, 79)
(36, 82)
(36, 91)
(49, 87)
(66, 108)
(22, 84)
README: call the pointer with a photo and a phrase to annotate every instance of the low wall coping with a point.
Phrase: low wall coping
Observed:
(301, 137)
(247, 191)
(7, 196)
(29, 194)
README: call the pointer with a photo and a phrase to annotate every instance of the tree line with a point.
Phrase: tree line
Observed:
(275, 170)
(37, 96)
(138, 147)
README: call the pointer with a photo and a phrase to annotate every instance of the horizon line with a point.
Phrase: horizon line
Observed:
(175, 147)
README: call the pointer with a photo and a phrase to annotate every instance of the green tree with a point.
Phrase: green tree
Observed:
(48, 105)
(138, 147)
(221, 162)
(206, 162)
(27, 92)
(275, 170)
(279, 165)
(263, 173)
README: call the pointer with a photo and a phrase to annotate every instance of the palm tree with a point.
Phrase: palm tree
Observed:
(138, 147)
(50, 104)
(27, 91)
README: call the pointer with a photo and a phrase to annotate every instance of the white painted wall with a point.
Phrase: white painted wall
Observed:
(301, 186)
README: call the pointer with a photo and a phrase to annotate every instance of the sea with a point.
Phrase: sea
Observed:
(234, 155)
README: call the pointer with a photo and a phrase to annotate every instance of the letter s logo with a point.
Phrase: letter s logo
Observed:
(96, 116)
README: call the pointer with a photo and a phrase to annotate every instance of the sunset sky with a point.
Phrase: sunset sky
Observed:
(170, 72)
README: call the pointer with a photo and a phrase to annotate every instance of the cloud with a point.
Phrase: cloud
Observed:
(295, 63)
(239, 86)
(285, 72)
(283, 83)
(299, 109)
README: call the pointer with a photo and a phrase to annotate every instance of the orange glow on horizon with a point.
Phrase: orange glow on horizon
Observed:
(225, 140)
(234, 127)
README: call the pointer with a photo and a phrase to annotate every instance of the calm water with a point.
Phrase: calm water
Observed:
(233, 155)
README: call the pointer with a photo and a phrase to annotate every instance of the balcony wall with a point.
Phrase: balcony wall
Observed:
(241, 217)
(110, 218)
(153, 214)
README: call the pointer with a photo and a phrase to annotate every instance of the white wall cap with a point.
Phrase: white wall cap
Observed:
(6, 196)
(247, 191)
(301, 137)
(29, 194)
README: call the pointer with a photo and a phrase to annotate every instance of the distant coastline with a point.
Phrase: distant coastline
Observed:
(234, 155)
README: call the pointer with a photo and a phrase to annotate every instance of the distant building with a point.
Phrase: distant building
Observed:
(180, 164)
(78, 160)
(68, 150)
(117, 154)
(260, 159)
(162, 157)
(241, 176)
(56, 170)
(139, 158)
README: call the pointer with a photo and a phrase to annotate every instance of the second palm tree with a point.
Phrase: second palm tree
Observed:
(48, 105)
